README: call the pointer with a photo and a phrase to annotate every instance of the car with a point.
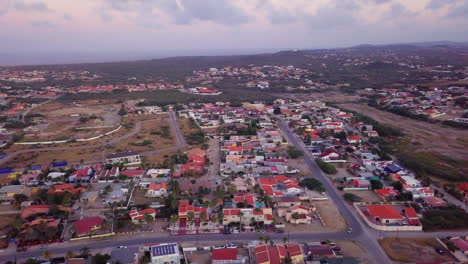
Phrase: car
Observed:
(43, 247)
(439, 251)
(235, 232)
(350, 230)
(122, 247)
(231, 245)
(219, 247)
(21, 249)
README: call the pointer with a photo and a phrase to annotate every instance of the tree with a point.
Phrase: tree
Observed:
(398, 186)
(312, 184)
(376, 184)
(277, 111)
(100, 259)
(19, 198)
(47, 255)
(190, 217)
(69, 254)
(351, 197)
(285, 240)
(122, 112)
(148, 218)
(326, 167)
(295, 216)
(174, 219)
(294, 152)
(240, 215)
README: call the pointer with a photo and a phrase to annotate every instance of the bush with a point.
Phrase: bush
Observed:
(376, 184)
(326, 167)
(444, 218)
(312, 184)
(294, 153)
(350, 197)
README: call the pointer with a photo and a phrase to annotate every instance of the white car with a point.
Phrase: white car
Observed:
(231, 245)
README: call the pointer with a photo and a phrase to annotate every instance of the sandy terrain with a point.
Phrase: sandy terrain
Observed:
(404, 250)
(447, 141)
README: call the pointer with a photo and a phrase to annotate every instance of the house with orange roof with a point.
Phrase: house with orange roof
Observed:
(244, 215)
(139, 215)
(157, 190)
(277, 254)
(297, 214)
(385, 214)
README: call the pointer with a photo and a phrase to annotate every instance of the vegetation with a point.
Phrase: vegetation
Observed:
(350, 197)
(326, 167)
(444, 218)
(376, 184)
(312, 184)
(294, 153)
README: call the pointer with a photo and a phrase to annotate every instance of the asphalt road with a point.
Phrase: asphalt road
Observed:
(360, 232)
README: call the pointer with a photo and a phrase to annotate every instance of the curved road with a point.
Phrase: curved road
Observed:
(179, 137)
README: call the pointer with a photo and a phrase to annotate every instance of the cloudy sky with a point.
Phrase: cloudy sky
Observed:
(149, 25)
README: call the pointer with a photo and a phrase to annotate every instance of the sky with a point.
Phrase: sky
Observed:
(189, 26)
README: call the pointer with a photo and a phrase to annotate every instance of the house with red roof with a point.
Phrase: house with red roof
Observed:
(330, 154)
(86, 226)
(133, 174)
(192, 168)
(62, 188)
(461, 244)
(297, 214)
(353, 139)
(139, 215)
(277, 254)
(245, 215)
(385, 214)
(386, 193)
(157, 190)
(225, 256)
(40, 209)
(463, 188)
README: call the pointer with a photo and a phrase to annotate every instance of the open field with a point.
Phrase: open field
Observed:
(188, 129)
(447, 141)
(351, 248)
(72, 120)
(404, 250)
(155, 134)
(333, 219)
(6, 220)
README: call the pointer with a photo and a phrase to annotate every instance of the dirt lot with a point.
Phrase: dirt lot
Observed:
(352, 249)
(6, 220)
(148, 133)
(447, 141)
(333, 219)
(62, 121)
(404, 250)
(186, 129)
(48, 156)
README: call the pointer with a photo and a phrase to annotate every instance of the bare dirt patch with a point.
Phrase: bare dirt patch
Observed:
(333, 219)
(431, 137)
(404, 250)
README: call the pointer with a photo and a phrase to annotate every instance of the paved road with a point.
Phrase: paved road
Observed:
(180, 138)
(360, 232)
(452, 199)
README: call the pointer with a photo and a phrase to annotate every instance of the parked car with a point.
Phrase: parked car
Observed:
(235, 232)
(231, 245)
(21, 249)
(350, 230)
(439, 251)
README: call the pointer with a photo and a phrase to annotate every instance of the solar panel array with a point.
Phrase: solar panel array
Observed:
(163, 250)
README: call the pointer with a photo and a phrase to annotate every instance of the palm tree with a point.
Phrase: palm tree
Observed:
(148, 218)
(190, 217)
(240, 215)
(261, 238)
(85, 251)
(69, 254)
(47, 255)
(174, 219)
(295, 216)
